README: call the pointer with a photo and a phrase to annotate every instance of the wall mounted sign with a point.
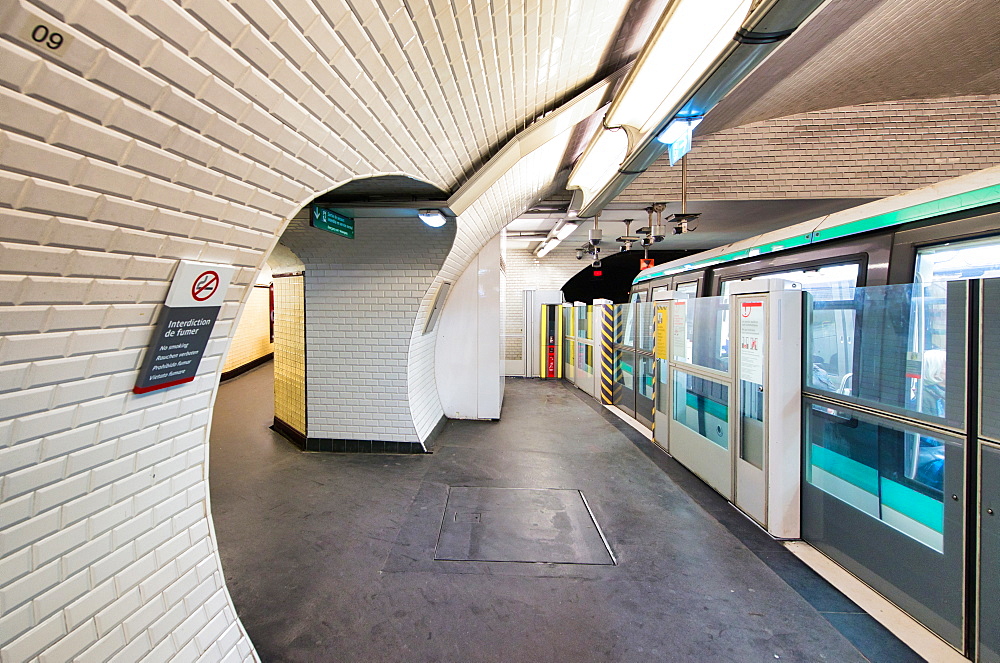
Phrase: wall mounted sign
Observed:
(661, 337)
(752, 341)
(332, 222)
(678, 331)
(185, 325)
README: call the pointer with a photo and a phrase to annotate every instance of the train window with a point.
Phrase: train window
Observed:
(972, 259)
(660, 292)
(829, 283)
(689, 289)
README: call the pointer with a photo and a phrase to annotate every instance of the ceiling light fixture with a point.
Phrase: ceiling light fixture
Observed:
(600, 161)
(565, 231)
(688, 39)
(546, 246)
(432, 217)
(690, 35)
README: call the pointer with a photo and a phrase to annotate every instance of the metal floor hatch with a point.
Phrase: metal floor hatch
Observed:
(534, 525)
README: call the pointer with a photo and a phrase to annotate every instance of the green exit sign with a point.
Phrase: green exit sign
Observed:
(328, 220)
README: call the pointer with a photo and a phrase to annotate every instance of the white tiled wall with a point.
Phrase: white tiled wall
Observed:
(161, 131)
(502, 202)
(526, 271)
(252, 336)
(361, 299)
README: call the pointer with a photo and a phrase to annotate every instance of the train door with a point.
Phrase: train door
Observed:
(701, 390)
(568, 342)
(645, 385)
(584, 374)
(988, 518)
(624, 359)
(988, 607)
(767, 381)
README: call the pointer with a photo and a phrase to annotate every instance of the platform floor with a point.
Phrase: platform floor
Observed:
(331, 557)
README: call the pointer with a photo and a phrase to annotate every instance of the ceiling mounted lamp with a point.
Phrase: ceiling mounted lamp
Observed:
(689, 38)
(432, 217)
(599, 162)
(555, 236)
(544, 248)
(566, 230)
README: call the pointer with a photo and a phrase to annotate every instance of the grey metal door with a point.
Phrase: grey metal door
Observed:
(989, 555)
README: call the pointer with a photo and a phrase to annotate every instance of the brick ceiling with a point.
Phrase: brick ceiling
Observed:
(860, 51)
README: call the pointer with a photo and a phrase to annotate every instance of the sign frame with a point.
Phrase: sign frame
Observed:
(185, 326)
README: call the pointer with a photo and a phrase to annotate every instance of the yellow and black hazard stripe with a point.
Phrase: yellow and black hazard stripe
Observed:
(607, 314)
(652, 416)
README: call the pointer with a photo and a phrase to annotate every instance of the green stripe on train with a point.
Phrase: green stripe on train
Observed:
(848, 469)
(910, 503)
(711, 408)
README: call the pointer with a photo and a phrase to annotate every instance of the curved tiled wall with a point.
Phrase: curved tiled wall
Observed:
(156, 132)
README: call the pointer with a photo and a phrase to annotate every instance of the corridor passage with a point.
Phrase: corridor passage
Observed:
(331, 557)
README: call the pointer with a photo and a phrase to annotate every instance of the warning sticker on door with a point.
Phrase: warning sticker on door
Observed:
(752, 341)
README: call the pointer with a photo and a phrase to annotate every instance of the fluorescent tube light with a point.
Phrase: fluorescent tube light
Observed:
(566, 230)
(688, 39)
(432, 217)
(690, 36)
(546, 246)
(600, 162)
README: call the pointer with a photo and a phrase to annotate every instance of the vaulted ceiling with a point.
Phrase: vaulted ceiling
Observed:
(849, 52)
(441, 86)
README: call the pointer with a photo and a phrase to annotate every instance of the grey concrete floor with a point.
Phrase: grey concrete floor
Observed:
(330, 557)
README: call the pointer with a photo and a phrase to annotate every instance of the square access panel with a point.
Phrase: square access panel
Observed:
(553, 526)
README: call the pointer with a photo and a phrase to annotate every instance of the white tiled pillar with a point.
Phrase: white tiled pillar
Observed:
(361, 299)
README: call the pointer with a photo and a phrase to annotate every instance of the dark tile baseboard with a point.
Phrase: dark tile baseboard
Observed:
(362, 446)
(250, 365)
(335, 445)
(289, 433)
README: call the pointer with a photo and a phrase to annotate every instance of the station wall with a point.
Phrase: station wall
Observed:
(165, 132)
(290, 351)
(252, 338)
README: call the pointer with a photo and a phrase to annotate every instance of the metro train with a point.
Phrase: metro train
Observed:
(900, 292)
(861, 246)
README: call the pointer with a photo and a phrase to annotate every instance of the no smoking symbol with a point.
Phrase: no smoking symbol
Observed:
(205, 286)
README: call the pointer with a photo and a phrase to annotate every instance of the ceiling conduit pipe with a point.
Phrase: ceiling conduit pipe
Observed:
(760, 35)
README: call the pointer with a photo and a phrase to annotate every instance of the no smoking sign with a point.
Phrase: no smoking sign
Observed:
(205, 286)
(199, 284)
(185, 326)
